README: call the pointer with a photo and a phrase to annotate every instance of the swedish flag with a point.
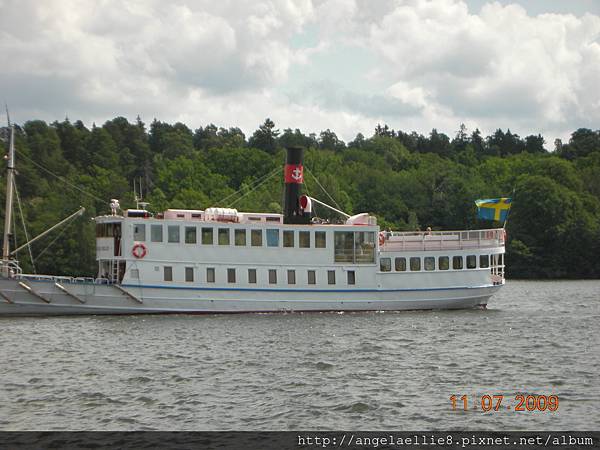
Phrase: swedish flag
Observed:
(493, 208)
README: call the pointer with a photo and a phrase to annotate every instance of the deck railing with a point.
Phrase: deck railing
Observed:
(398, 241)
(63, 279)
(9, 268)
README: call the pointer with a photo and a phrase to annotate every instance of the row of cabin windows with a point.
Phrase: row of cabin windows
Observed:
(223, 236)
(428, 263)
(311, 275)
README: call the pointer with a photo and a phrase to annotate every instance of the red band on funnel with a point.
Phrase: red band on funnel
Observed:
(294, 173)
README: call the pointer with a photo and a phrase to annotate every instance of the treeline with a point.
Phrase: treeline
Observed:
(408, 180)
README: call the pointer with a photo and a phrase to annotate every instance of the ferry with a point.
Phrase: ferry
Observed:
(220, 260)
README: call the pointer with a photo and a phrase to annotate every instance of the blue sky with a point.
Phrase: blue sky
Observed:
(344, 65)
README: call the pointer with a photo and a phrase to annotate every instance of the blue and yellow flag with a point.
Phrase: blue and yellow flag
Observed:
(493, 208)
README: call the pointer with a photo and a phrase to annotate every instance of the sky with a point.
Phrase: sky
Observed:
(531, 66)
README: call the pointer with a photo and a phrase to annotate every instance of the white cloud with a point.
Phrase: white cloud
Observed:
(431, 64)
(501, 68)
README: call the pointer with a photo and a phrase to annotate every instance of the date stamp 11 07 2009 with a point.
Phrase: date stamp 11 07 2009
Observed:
(517, 402)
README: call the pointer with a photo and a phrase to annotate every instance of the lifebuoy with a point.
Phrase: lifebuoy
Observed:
(381, 238)
(139, 251)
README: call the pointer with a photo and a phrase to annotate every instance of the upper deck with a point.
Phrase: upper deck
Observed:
(397, 241)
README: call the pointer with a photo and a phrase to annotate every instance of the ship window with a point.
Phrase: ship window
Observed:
(256, 238)
(364, 247)
(135, 273)
(288, 238)
(443, 263)
(385, 264)
(312, 277)
(320, 239)
(291, 275)
(471, 261)
(210, 274)
(156, 233)
(223, 236)
(168, 273)
(273, 276)
(429, 263)
(139, 232)
(102, 230)
(207, 236)
(272, 238)
(252, 276)
(273, 219)
(400, 264)
(331, 277)
(304, 239)
(196, 216)
(354, 246)
(344, 246)
(484, 261)
(189, 274)
(231, 275)
(457, 262)
(415, 264)
(240, 237)
(351, 277)
(173, 233)
(190, 235)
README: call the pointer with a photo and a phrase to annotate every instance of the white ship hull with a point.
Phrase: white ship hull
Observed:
(45, 298)
(220, 260)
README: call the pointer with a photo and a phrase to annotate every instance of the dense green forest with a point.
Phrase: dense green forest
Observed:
(408, 180)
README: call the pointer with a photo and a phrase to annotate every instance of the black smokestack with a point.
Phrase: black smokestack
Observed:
(294, 178)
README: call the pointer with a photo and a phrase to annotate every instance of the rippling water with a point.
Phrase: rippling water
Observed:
(309, 371)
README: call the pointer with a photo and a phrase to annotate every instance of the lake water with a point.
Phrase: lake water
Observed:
(310, 371)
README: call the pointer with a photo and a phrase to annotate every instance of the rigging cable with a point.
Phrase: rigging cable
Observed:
(258, 180)
(74, 186)
(255, 187)
(24, 227)
(324, 190)
(55, 239)
(14, 230)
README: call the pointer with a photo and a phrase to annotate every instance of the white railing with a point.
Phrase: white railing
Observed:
(9, 268)
(63, 279)
(441, 240)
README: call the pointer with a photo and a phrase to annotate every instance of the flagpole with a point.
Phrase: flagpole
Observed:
(508, 212)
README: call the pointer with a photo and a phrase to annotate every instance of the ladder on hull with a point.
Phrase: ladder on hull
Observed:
(114, 271)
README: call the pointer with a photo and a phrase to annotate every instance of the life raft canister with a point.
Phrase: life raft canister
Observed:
(139, 251)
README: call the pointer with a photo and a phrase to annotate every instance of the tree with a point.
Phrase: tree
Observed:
(439, 143)
(171, 140)
(535, 144)
(460, 141)
(478, 143)
(328, 140)
(296, 138)
(555, 234)
(265, 138)
(583, 142)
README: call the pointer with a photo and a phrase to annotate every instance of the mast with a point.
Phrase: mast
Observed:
(9, 195)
